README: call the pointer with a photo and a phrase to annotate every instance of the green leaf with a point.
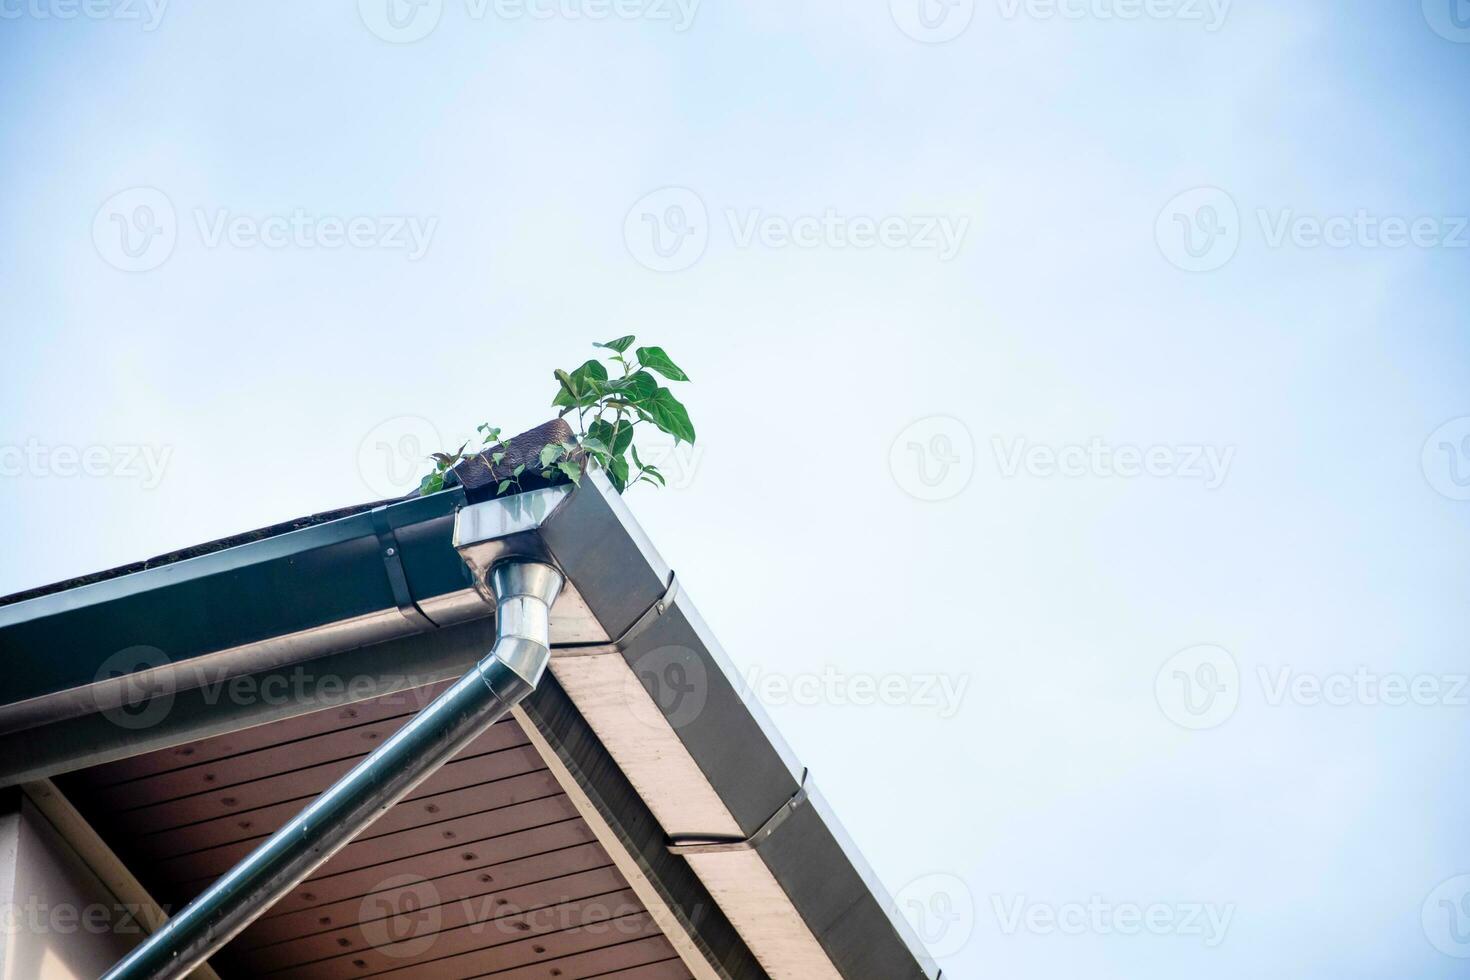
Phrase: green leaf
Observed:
(503, 485)
(619, 345)
(637, 460)
(518, 470)
(432, 483)
(572, 470)
(619, 473)
(567, 381)
(624, 439)
(549, 454)
(591, 369)
(655, 359)
(636, 387)
(496, 458)
(592, 444)
(671, 416)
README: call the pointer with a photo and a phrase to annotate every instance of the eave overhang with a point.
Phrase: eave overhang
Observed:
(393, 598)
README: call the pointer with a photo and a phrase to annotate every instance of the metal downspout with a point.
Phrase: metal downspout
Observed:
(524, 592)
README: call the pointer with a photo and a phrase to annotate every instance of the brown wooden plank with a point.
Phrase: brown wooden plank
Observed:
(427, 809)
(302, 784)
(673, 969)
(421, 933)
(543, 950)
(513, 874)
(399, 705)
(325, 886)
(197, 870)
(345, 743)
(598, 963)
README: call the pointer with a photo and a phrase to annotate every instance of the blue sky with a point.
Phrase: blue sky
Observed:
(920, 458)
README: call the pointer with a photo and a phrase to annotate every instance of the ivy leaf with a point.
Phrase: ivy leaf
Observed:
(501, 489)
(572, 470)
(619, 345)
(619, 473)
(549, 454)
(655, 359)
(432, 483)
(496, 458)
(592, 444)
(518, 470)
(671, 416)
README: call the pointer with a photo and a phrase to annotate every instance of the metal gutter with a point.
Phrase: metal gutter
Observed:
(279, 600)
(632, 657)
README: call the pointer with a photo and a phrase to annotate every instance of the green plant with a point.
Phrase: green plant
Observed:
(443, 463)
(609, 409)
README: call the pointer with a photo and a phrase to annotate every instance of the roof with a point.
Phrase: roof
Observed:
(687, 805)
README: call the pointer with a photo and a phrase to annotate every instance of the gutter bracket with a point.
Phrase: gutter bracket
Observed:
(650, 615)
(684, 844)
(389, 549)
